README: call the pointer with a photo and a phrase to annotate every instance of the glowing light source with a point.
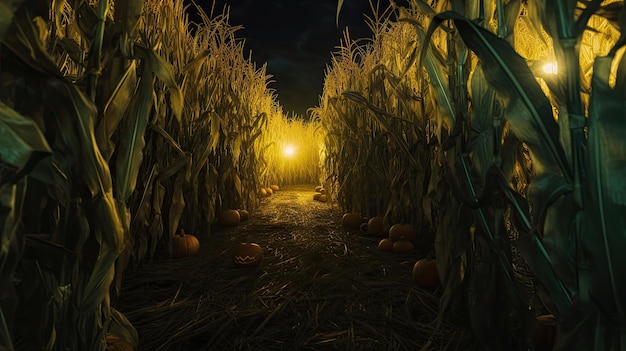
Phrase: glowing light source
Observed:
(289, 151)
(551, 68)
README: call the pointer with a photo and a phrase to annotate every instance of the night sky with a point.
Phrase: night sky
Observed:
(296, 39)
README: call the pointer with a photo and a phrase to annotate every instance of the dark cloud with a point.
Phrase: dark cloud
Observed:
(295, 39)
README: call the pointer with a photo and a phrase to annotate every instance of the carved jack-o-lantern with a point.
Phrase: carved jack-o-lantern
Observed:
(247, 255)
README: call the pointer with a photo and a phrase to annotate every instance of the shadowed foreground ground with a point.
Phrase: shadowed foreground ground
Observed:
(320, 287)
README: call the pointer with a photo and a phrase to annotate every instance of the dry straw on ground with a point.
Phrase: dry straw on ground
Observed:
(320, 287)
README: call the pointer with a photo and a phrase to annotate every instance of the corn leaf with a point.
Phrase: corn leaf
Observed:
(605, 202)
(435, 66)
(481, 138)
(177, 205)
(116, 106)
(131, 140)
(123, 328)
(22, 143)
(528, 110)
(339, 5)
(165, 72)
(129, 12)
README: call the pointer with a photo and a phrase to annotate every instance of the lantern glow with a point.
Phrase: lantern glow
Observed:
(551, 68)
(289, 151)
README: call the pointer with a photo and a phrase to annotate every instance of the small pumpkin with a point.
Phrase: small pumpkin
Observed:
(545, 332)
(425, 273)
(376, 226)
(113, 343)
(247, 255)
(398, 231)
(274, 187)
(184, 245)
(228, 218)
(323, 198)
(385, 245)
(351, 220)
(263, 192)
(243, 215)
(317, 196)
(403, 246)
(269, 191)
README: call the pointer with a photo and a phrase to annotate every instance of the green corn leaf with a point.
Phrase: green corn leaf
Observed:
(177, 206)
(168, 138)
(165, 72)
(22, 143)
(24, 40)
(481, 138)
(435, 66)
(605, 201)
(116, 106)
(528, 110)
(131, 139)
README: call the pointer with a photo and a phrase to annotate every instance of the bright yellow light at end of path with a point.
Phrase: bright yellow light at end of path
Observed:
(289, 151)
(551, 68)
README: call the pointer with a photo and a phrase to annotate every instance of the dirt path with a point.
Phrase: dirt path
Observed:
(320, 287)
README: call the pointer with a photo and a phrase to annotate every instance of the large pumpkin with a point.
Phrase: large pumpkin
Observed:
(116, 344)
(376, 226)
(184, 245)
(247, 255)
(317, 196)
(425, 273)
(228, 218)
(352, 220)
(323, 198)
(398, 231)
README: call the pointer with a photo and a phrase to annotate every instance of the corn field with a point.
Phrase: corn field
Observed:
(491, 126)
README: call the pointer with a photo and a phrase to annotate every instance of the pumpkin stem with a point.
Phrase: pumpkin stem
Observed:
(181, 232)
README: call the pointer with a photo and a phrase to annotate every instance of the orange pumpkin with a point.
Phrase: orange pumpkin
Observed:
(113, 343)
(402, 230)
(425, 273)
(274, 187)
(351, 220)
(385, 245)
(403, 246)
(228, 218)
(269, 191)
(263, 192)
(247, 255)
(243, 215)
(545, 331)
(316, 197)
(184, 245)
(376, 226)
(323, 198)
